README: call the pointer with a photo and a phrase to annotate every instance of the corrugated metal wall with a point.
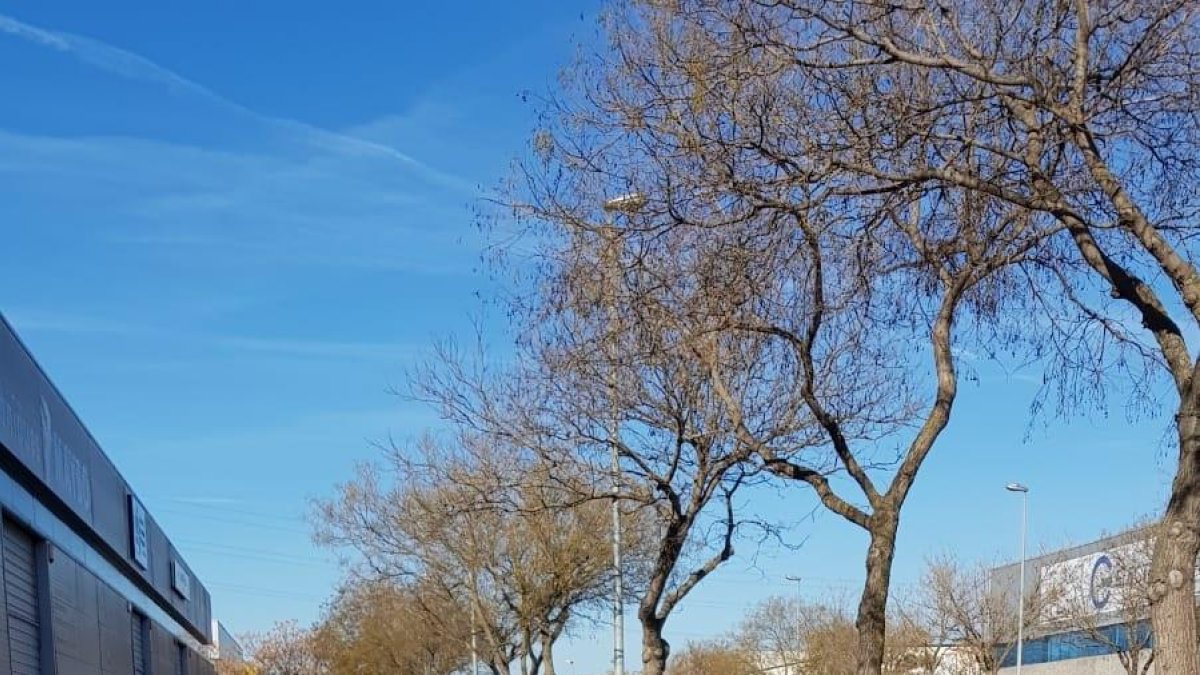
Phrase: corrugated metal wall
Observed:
(21, 602)
(81, 626)
(138, 626)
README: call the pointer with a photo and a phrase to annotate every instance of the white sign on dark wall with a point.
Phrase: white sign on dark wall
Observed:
(181, 581)
(139, 534)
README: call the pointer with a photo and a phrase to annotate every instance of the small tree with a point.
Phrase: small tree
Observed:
(960, 606)
(819, 638)
(225, 667)
(608, 367)
(285, 649)
(773, 629)
(380, 627)
(830, 642)
(413, 531)
(478, 528)
(713, 658)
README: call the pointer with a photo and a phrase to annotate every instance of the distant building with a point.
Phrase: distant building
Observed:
(225, 646)
(90, 583)
(775, 663)
(948, 660)
(1082, 579)
(945, 660)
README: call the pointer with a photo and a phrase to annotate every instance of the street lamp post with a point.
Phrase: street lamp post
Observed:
(795, 580)
(474, 646)
(1024, 491)
(627, 204)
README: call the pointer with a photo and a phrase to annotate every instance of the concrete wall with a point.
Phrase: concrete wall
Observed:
(1092, 665)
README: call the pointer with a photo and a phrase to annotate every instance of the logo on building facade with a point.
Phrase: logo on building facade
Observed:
(181, 581)
(1100, 587)
(66, 472)
(139, 534)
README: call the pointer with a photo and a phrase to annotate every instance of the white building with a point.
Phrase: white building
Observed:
(1084, 621)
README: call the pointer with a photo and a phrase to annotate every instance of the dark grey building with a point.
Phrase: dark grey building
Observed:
(90, 583)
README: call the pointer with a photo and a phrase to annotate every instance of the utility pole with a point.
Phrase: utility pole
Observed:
(474, 647)
(795, 580)
(1024, 492)
(614, 430)
(627, 204)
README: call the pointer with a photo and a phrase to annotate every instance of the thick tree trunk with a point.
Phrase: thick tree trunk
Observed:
(1173, 568)
(655, 650)
(872, 606)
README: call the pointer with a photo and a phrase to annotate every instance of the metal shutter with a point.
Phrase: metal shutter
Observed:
(139, 644)
(21, 595)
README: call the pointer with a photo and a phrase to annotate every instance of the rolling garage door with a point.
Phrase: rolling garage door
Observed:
(139, 644)
(21, 596)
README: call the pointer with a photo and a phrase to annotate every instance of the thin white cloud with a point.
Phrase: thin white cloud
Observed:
(241, 209)
(75, 324)
(351, 430)
(57, 322)
(208, 501)
(319, 348)
(135, 67)
(27, 32)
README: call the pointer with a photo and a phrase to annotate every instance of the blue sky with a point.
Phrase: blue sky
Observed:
(229, 228)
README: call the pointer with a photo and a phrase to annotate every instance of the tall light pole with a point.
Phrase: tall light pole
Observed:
(474, 647)
(627, 204)
(796, 580)
(1024, 491)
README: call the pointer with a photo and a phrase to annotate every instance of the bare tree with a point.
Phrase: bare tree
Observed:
(960, 605)
(285, 649)
(929, 650)
(774, 630)
(852, 298)
(680, 465)
(560, 569)
(910, 647)
(381, 627)
(713, 658)
(478, 530)
(820, 638)
(426, 532)
(1080, 114)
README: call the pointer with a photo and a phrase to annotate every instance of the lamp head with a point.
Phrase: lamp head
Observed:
(630, 203)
